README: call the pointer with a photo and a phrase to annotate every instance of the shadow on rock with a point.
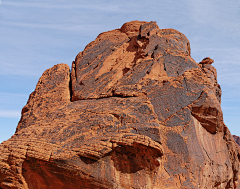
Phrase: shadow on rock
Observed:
(130, 159)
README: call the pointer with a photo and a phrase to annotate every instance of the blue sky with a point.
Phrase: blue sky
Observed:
(35, 35)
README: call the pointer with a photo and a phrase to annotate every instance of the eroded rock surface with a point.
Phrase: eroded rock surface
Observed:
(136, 111)
(237, 139)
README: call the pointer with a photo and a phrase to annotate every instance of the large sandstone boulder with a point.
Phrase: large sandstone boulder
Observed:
(136, 111)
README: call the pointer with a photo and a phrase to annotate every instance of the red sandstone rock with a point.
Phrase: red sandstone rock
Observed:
(135, 112)
(237, 139)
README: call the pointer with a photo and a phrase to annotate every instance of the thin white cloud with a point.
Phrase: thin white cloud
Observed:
(201, 11)
(12, 94)
(214, 13)
(19, 69)
(12, 98)
(10, 113)
(97, 6)
(231, 108)
(67, 27)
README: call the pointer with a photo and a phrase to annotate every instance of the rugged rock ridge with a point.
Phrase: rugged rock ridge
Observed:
(136, 111)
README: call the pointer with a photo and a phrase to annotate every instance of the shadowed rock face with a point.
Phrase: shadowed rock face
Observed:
(136, 111)
(237, 139)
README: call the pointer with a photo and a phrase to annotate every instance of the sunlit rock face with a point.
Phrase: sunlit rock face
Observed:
(136, 111)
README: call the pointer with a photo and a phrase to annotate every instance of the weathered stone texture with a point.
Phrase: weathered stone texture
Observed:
(237, 139)
(136, 111)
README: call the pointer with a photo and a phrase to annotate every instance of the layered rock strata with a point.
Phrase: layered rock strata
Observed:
(136, 111)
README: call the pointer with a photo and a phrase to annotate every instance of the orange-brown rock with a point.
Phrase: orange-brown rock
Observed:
(237, 139)
(136, 111)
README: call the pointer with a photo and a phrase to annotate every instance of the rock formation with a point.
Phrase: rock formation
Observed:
(136, 111)
(237, 139)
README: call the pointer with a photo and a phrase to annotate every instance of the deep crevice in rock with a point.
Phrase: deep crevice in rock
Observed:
(87, 160)
(119, 96)
(70, 86)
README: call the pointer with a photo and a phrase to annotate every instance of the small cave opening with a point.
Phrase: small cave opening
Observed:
(125, 70)
(131, 159)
